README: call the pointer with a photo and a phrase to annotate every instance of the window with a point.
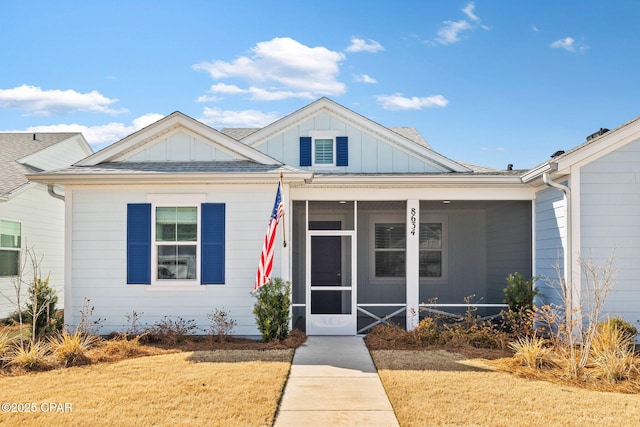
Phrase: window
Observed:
(323, 152)
(10, 244)
(175, 245)
(390, 250)
(324, 148)
(431, 249)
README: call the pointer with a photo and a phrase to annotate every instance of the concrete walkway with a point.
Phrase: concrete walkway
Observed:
(333, 382)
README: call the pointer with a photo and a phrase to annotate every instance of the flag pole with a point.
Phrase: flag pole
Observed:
(284, 235)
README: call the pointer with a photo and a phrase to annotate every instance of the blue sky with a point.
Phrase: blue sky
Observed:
(486, 82)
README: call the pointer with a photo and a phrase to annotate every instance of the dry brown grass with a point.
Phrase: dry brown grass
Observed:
(438, 388)
(233, 387)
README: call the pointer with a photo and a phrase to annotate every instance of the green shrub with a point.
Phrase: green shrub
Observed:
(519, 292)
(272, 309)
(42, 301)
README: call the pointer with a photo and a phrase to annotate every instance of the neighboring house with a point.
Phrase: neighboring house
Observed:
(170, 222)
(30, 218)
(587, 209)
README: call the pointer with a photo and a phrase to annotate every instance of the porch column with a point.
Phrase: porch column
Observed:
(413, 263)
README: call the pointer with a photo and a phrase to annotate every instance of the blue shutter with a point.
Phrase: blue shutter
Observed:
(342, 151)
(212, 237)
(305, 151)
(139, 244)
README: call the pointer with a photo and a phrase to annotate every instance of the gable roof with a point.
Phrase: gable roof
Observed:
(16, 150)
(175, 120)
(357, 120)
(592, 149)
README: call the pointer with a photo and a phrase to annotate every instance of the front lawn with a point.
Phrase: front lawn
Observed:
(221, 387)
(438, 388)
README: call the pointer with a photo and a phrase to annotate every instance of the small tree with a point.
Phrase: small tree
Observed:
(519, 292)
(41, 308)
(272, 309)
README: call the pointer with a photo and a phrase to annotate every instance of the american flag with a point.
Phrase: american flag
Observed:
(266, 257)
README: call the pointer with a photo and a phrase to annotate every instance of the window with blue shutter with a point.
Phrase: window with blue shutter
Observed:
(213, 243)
(139, 244)
(305, 151)
(342, 151)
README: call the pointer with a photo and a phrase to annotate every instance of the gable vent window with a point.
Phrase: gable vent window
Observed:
(324, 148)
(323, 152)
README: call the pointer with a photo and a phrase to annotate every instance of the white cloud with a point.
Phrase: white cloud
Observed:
(535, 29)
(217, 118)
(38, 102)
(570, 44)
(256, 93)
(469, 11)
(450, 32)
(360, 45)
(101, 135)
(566, 43)
(399, 102)
(364, 78)
(493, 149)
(282, 67)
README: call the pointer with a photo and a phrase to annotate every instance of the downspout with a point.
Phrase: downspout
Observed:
(52, 192)
(568, 250)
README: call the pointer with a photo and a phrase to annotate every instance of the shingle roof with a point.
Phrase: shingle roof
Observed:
(238, 133)
(15, 146)
(215, 167)
(412, 134)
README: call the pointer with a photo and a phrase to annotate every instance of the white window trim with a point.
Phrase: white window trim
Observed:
(175, 200)
(444, 220)
(400, 219)
(19, 249)
(323, 134)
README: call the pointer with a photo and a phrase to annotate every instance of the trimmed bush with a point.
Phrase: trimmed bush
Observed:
(272, 309)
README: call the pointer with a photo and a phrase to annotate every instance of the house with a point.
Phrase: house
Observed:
(587, 210)
(170, 221)
(29, 217)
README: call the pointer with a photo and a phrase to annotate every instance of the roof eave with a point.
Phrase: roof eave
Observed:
(410, 179)
(164, 178)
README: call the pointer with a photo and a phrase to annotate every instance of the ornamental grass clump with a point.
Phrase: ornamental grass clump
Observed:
(70, 349)
(29, 355)
(530, 351)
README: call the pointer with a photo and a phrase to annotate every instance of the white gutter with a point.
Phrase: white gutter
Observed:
(568, 250)
(53, 193)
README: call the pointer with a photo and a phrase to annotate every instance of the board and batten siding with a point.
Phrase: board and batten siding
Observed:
(99, 267)
(550, 241)
(368, 153)
(610, 224)
(180, 146)
(42, 218)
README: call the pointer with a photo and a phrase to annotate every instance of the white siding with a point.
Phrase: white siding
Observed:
(550, 240)
(42, 218)
(180, 147)
(99, 257)
(368, 153)
(60, 155)
(610, 220)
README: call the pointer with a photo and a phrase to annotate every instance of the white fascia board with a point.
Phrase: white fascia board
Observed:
(359, 121)
(435, 179)
(45, 152)
(532, 176)
(166, 178)
(166, 125)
